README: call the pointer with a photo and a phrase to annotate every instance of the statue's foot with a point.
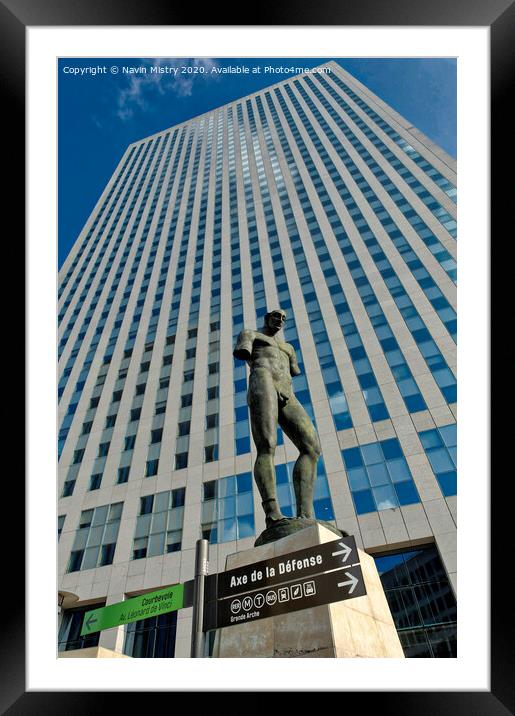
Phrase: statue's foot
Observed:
(306, 516)
(274, 520)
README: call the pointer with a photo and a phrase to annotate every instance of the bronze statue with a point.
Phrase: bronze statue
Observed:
(271, 401)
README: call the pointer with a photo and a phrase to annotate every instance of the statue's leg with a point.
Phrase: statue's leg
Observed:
(297, 425)
(263, 419)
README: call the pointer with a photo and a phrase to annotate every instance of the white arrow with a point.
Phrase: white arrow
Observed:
(353, 581)
(345, 551)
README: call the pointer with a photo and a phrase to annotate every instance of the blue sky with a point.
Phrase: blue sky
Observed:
(101, 110)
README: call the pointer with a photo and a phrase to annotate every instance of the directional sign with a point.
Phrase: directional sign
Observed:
(131, 610)
(321, 558)
(313, 591)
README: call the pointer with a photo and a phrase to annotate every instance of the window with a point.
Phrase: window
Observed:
(212, 421)
(93, 403)
(71, 626)
(95, 539)
(103, 449)
(130, 441)
(160, 407)
(210, 453)
(152, 638)
(228, 508)
(106, 554)
(140, 389)
(152, 466)
(183, 428)
(379, 477)
(60, 524)
(85, 518)
(213, 393)
(146, 504)
(156, 436)
(181, 460)
(123, 474)
(421, 601)
(77, 456)
(75, 562)
(94, 481)
(209, 490)
(440, 447)
(178, 497)
(86, 428)
(135, 414)
(110, 421)
(117, 396)
(159, 524)
(186, 400)
(68, 488)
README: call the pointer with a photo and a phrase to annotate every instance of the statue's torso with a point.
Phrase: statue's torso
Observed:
(274, 358)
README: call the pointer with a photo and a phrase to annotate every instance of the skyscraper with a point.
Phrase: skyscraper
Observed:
(315, 196)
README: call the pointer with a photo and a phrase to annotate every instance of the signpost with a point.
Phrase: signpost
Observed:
(147, 605)
(295, 581)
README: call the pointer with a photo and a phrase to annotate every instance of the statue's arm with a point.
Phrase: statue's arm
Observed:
(243, 347)
(294, 366)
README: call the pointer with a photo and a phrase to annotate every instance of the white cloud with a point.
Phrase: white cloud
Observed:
(140, 89)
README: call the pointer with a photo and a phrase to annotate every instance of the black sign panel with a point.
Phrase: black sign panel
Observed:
(305, 593)
(304, 562)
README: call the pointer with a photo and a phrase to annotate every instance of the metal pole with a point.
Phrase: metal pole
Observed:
(201, 570)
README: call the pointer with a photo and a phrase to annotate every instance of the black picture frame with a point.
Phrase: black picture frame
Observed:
(499, 16)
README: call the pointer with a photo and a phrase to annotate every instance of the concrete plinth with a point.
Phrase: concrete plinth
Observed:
(359, 627)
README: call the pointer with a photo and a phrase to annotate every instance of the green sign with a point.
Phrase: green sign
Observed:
(131, 610)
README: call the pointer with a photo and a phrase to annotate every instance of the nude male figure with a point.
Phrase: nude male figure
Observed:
(271, 401)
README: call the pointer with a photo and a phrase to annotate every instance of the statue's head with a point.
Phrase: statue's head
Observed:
(274, 320)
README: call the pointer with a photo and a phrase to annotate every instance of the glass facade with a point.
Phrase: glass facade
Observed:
(379, 477)
(421, 600)
(152, 638)
(228, 509)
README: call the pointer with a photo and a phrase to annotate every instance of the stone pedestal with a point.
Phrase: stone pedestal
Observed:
(359, 627)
